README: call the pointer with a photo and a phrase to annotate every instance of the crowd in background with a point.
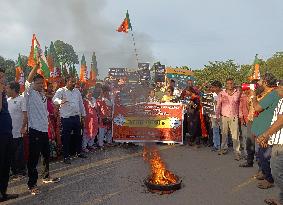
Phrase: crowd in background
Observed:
(52, 121)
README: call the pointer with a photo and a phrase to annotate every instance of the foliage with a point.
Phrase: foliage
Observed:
(275, 65)
(66, 54)
(218, 70)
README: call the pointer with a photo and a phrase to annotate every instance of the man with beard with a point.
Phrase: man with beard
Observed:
(265, 105)
(5, 142)
(72, 114)
(274, 136)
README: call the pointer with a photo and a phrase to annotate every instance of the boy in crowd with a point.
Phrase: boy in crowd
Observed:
(18, 111)
(216, 88)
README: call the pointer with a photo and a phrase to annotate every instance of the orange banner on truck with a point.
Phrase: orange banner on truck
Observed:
(148, 122)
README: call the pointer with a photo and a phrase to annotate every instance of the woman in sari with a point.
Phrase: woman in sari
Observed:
(196, 125)
(53, 123)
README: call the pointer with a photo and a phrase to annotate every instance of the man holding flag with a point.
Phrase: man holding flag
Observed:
(37, 120)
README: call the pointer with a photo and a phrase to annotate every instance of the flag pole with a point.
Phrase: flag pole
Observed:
(125, 27)
(135, 48)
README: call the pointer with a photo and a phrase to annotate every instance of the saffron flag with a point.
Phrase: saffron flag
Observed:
(126, 24)
(33, 52)
(83, 70)
(44, 69)
(255, 74)
(36, 55)
(20, 78)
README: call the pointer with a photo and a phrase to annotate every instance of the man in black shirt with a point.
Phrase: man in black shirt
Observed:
(5, 142)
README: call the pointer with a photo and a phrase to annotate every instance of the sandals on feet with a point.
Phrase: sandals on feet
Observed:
(34, 191)
(265, 185)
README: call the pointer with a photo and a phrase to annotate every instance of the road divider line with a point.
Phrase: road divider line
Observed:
(242, 185)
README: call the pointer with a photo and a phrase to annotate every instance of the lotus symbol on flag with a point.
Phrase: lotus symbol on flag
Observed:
(119, 120)
(175, 122)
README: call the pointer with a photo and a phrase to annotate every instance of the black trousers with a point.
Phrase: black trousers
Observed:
(185, 128)
(208, 140)
(250, 146)
(18, 162)
(194, 128)
(5, 160)
(38, 144)
(71, 125)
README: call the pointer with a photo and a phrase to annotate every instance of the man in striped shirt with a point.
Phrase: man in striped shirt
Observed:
(274, 137)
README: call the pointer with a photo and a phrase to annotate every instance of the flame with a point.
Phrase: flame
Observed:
(159, 174)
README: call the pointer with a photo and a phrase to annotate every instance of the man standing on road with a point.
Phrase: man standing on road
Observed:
(227, 110)
(72, 114)
(265, 106)
(38, 130)
(18, 111)
(273, 136)
(247, 114)
(5, 142)
(216, 88)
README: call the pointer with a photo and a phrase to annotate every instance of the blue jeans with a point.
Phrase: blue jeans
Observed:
(264, 155)
(216, 133)
(276, 163)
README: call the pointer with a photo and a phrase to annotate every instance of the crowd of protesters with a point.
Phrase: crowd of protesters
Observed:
(53, 121)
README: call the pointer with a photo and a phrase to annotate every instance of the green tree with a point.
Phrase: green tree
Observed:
(275, 65)
(66, 54)
(9, 66)
(218, 70)
(244, 73)
(25, 66)
(54, 55)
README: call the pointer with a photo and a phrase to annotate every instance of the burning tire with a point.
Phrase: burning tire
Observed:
(167, 187)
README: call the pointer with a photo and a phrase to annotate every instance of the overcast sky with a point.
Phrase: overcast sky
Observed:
(179, 32)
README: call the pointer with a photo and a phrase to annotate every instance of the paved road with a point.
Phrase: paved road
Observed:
(114, 177)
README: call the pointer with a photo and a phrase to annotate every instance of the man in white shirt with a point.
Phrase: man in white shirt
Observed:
(216, 88)
(72, 114)
(18, 111)
(38, 130)
(274, 136)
